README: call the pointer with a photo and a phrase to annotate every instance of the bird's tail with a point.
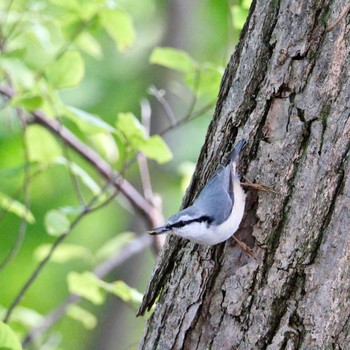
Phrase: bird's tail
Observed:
(233, 156)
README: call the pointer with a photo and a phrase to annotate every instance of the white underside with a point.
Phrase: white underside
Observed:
(200, 233)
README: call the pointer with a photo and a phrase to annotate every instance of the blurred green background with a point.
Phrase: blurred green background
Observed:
(113, 82)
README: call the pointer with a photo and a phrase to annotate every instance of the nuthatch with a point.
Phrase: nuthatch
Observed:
(217, 212)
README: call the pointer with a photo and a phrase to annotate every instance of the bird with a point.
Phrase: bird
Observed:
(218, 210)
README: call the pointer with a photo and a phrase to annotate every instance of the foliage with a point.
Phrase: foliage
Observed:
(64, 162)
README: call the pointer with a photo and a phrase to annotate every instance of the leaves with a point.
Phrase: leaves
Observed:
(153, 147)
(8, 339)
(87, 285)
(88, 320)
(36, 138)
(118, 24)
(173, 58)
(87, 122)
(56, 223)
(85, 178)
(13, 206)
(66, 71)
(114, 245)
(63, 253)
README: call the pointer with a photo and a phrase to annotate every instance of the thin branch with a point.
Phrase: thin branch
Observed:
(25, 189)
(133, 248)
(340, 18)
(55, 244)
(159, 95)
(189, 117)
(131, 194)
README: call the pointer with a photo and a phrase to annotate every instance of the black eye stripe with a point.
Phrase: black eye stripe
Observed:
(183, 223)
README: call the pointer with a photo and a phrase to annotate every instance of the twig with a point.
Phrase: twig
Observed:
(159, 95)
(189, 117)
(55, 244)
(25, 188)
(133, 248)
(340, 18)
(130, 193)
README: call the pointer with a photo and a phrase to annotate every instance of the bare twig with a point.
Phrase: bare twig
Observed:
(57, 242)
(190, 117)
(340, 18)
(133, 248)
(131, 194)
(159, 95)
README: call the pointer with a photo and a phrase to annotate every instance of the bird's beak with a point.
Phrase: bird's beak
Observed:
(158, 230)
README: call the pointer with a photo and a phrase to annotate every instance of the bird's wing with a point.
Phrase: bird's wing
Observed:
(216, 199)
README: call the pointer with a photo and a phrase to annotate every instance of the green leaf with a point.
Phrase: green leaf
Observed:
(106, 146)
(130, 127)
(174, 59)
(29, 101)
(89, 44)
(42, 146)
(239, 16)
(87, 285)
(115, 245)
(209, 78)
(67, 71)
(13, 206)
(8, 338)
(155, 148)
(119, 26)
(56, 223)
(29, 318)
(63, 253)
(85, 178)
(186, 170)
(21, 76)
(124, 292)
(87, 122)
(88, 320)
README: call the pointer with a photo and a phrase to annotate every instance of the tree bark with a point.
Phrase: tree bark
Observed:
(286, 89)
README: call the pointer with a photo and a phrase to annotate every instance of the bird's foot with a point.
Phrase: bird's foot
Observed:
(245, 248)
(256, 186)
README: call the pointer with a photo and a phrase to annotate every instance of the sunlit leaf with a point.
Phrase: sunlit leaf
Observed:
(173, 58)
(155, 148)
(13, 206)
(114, 245)
(67, 71)
(88, 320)
(118, 24)
(130, 126)
(124, 292)
(186, 169)
(8, 338)
(29, 318)
(106, 146)
(239, 16)
(87, 122)
(89, 44)
(22, 77)
(87, 285)
(63, 253)
(29, 101)
(85, 178)
(205, 81)
(56, 223)
(36, 138)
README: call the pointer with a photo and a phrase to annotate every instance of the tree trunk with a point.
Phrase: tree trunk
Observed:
(286, 90)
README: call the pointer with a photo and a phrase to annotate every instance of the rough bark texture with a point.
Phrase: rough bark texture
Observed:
(287, 90)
